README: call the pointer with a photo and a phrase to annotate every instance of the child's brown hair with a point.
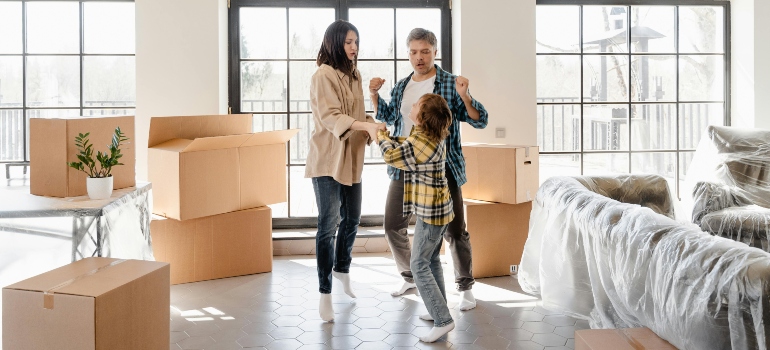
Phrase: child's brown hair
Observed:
(435, 117)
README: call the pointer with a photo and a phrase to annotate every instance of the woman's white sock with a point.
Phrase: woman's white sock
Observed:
(325, 308)
(345, 279)
(404, 287)
(437, 332)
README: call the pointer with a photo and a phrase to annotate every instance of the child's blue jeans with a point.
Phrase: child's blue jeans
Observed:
(428, 274)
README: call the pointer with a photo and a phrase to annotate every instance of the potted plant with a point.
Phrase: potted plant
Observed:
(99, 182)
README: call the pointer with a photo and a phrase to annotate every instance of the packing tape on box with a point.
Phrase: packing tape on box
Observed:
(526, 152)
(630, 340)
(48, 295)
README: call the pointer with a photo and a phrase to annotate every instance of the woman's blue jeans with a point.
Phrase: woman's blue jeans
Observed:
(338, 206)
(427, 271)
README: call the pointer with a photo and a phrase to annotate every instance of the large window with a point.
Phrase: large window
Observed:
(63, 59)
(629, 89)
(274, 45)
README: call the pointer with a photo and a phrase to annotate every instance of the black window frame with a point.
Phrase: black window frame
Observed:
(341, 8)
(81, 55)
(725, 4)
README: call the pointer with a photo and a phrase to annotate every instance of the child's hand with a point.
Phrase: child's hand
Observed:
(371, 129)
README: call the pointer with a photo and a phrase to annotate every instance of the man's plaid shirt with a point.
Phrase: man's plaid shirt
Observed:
(444, 86)
(426, 193)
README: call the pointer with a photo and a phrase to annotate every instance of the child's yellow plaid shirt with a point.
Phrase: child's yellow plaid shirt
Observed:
(426, 193)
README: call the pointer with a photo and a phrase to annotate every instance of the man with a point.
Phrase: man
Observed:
(430, 78)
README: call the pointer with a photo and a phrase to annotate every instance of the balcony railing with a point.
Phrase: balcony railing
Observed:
(653, 126)
(12, 123)
(558, 126)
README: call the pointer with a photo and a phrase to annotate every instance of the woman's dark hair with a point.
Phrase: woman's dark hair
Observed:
(332, 50)
(434, 116)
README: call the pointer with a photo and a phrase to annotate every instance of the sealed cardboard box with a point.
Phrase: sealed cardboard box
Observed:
(501, 173)
(208, 165)
(225, 245)
(94, 303)
(620, 339)
(52, 146)
(498, 233)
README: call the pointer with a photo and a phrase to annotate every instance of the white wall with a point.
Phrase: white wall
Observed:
(494, 47)
(762, 63)
(750, 73)
(181, 63)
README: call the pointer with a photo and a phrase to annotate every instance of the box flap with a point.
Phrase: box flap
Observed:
(270, 137)
(218, 142)
(102, 281)
(175, 145)
(163, 129)
(471, 202)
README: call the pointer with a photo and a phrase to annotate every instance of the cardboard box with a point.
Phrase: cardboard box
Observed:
(498, 233)
(208, 165)
(94, 303)
(620, 339)
(501, 173)
(225, 245)
(52, 146)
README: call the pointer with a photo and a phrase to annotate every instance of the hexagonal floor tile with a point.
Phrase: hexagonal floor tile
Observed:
(315, 337)
(286, 332)
(196, 342)
(492, 342)
(538, 327)
(288, 321)
(339, 330)
(371, 334)
(369, 322)
(397, 327)
(253, 340)
(344, 342)
(284, 344)
(549, 339)
(559, 320)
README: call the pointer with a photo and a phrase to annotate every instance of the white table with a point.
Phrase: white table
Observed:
(116, 227)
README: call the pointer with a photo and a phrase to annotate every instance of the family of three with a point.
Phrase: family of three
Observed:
(425, 165)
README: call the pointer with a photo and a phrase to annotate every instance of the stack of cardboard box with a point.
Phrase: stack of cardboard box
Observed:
(212, 180)
(502, 182)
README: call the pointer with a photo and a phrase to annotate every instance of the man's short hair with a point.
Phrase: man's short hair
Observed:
(422, 34)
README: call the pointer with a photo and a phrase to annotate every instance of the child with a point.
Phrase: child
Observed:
(422, 156)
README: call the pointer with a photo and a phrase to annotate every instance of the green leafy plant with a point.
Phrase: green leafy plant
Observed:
(106, 160)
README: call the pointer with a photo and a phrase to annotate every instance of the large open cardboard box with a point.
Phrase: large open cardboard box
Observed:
(498, 233)
(52, 146)
(501, 173)
(620, 339)
(225, 245)
(208, 165)
(94, 303)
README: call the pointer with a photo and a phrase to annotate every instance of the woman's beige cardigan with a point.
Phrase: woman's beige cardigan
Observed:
(335, 150)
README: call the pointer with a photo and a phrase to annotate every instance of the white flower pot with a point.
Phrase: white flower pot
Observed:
(99, 188)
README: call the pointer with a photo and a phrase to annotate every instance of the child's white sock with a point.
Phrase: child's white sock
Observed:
(404, 287)
(345, 279)
(467, 300)
(426, 317)
(325, 308)
(437, 332)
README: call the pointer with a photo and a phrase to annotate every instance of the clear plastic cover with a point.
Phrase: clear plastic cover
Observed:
(624, 265)
(42, 233)
(729, 183)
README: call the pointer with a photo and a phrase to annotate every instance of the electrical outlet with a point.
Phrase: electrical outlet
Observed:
(514, 269)
(500, 133)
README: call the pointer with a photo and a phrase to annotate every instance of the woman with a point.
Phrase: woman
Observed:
(336, 157)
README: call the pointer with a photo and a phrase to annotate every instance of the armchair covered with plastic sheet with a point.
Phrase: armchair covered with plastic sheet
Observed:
(621, 265)
(731, 192)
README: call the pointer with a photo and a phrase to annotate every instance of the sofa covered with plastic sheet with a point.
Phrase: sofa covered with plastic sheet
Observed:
(627, 263)
(731, 192)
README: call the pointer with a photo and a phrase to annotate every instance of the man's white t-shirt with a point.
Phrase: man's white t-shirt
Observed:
(413, 91)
